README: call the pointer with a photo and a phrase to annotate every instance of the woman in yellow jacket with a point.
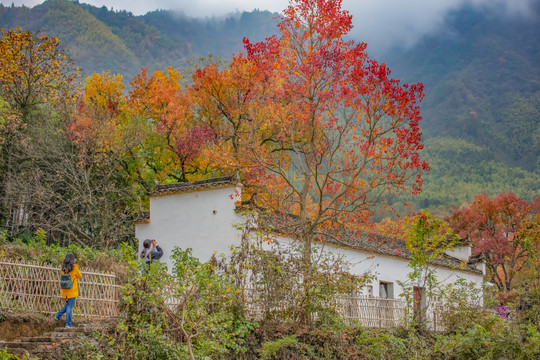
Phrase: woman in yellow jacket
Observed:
(69, 267)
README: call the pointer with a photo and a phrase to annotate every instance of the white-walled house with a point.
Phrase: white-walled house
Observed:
(198, 215)
(204, 216)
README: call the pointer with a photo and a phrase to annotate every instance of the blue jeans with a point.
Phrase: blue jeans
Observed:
(68, 310)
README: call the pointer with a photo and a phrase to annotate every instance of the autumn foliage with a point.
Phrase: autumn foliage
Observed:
(181, 139)
(315, 124)
(34, 69)
(96, 123)
(311, 123)
(503, 229)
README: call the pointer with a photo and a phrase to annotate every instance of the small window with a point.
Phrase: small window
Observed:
(386, 290)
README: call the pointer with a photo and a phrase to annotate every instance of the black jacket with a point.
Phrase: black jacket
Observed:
(155, 253)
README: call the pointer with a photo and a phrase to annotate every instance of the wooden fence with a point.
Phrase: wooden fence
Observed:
(374, 312)
(36, 288)
(367, 311)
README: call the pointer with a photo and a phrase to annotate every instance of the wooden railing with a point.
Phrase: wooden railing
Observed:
(36, 288)
(367, 311)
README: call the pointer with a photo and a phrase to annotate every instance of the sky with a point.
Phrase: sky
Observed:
(381, 23)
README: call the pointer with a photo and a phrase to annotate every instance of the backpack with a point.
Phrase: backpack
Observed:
(65, 281)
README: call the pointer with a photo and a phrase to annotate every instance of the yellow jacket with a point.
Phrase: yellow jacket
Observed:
(74, 291)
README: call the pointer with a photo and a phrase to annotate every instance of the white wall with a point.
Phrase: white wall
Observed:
(389, 269)
(392, 269)
(461, 252)
(201, 220)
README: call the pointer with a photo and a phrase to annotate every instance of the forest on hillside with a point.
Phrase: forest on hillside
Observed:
(101, 40)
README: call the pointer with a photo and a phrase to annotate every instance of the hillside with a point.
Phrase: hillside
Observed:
(482, 106)
(100, 39)
(91, 42)
(481, 75)
(482, 78)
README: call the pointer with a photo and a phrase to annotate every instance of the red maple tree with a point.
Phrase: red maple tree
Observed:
(498, 228)
(319, 128)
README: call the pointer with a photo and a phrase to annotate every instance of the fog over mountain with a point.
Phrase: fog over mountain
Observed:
(382, 24)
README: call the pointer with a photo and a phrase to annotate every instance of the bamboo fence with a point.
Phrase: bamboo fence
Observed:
(32, 287)
(372, 312)
(367, 311)
(375, 312)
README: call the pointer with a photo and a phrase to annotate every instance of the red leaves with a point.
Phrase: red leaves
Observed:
(325, 17)
(312, 120)
(190, 146)
(494, 226)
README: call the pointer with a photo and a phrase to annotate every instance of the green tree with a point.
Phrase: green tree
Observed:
(427, 240)
(205, 307)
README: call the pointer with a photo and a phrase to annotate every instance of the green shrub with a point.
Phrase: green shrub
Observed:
(4, 355)
(500, 340)
(277, 348)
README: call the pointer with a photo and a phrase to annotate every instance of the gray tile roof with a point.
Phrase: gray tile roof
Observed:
(142, 217)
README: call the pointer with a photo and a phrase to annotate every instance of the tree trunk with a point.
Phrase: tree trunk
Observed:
(306, 306)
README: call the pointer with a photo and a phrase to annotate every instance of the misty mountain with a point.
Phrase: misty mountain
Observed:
(481, 74)
(482, 79)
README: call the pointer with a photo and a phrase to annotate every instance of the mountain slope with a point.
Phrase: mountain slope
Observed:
(482, 80)
(90, 42)
(100, 39)
(461, 170)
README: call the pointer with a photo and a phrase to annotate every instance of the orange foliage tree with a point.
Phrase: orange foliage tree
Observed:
(319, 127)
(228, 101)
(97, 118)
(34, 69)
(180, 140)
(152, 133)
(104, 127)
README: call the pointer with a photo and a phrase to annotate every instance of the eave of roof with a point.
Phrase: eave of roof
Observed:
(214, 183)
(143, 217)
